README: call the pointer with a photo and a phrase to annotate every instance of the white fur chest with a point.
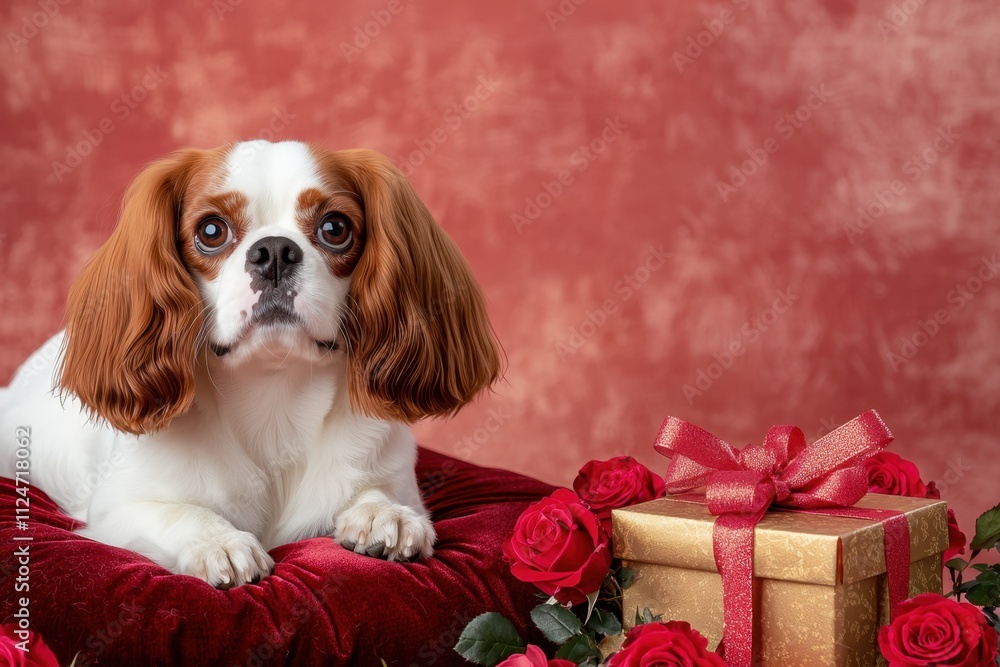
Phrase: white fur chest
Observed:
(294, 453)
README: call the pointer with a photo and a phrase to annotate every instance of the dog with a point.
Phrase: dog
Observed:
(242, 359)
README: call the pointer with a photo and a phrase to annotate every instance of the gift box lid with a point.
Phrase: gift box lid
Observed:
(788, 545)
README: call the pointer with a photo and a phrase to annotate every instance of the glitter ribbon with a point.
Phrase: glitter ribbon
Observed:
(827, 477)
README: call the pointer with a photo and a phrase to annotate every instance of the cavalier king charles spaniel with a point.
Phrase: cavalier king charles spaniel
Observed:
(242, 358)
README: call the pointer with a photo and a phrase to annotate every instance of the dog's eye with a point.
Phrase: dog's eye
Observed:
(334, 233)
(212, 236)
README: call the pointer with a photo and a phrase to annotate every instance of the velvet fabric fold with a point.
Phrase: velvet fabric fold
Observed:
(323, 605)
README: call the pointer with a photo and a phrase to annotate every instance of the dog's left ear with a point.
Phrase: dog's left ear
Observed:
(134, 312)
(419, 340)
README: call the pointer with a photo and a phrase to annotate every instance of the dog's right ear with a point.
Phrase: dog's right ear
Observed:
(134, 312)
(420, 340)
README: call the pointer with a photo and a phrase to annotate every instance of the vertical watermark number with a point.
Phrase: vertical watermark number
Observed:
(22, 552)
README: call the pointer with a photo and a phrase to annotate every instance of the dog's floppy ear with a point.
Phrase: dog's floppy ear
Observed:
(419, 340)
(134, 312)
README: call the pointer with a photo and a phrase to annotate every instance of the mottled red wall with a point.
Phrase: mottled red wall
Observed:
(627, 283)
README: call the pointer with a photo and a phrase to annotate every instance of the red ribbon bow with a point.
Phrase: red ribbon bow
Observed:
(782, 470)
(742, 485)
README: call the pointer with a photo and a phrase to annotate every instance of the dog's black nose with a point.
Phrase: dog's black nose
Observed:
(274, 259)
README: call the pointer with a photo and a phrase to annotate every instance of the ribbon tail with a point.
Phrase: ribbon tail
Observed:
(733, 544)
(897, 561)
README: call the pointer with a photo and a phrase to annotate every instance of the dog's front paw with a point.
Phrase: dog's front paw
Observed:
(385, 530)
(231, 559)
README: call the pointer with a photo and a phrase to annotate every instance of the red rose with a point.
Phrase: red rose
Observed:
(890, 473)
(933, 630)
(533, 657)
(956, 538)
(37, 655)
(673, 644)
(617, 482)
(558, 545)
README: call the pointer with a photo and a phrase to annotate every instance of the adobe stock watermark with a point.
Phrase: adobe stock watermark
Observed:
(432, 650)
(897, 16)
(956, 299)
(786, 127)
(750, 332)
(32, 24)
(21, 616)
(581, 159)
(914, 169)
(42, 360)
(297, 615)
(496, 419)
(277, 123)
(223, 7)
(84, 491)
(451, 121)
(953, 475)
(366, 33)
(563, 11)
(100, 641)
(120, 110)
(625, 289)
(714, 28)
(465, 448)
(826, 425)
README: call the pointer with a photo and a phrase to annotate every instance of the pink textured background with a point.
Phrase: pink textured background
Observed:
(234, 69)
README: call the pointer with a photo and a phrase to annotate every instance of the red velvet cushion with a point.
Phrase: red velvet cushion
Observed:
(322, 605)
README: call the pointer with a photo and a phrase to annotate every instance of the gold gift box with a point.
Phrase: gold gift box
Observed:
(819, 581)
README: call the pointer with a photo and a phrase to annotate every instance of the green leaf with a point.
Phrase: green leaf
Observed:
(985, 589)
(987, 529)
(986, 595)
(488, 639)
(957, 564)
(579, 649)
(604, 623)
(964, 586)
(626, 576)
(646, 617)
(557, 623)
